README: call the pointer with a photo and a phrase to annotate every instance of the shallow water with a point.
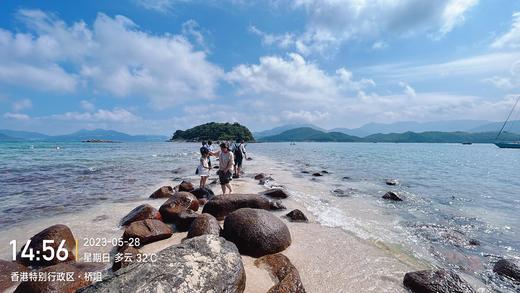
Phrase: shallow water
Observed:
(454, 194)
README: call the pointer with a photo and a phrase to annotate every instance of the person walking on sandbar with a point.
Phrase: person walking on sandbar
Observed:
(226, 163)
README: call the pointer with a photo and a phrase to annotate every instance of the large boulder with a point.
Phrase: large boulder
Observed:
(441, 281)
(185, 186)
(259, 176)
(392, 196)
(203, 193)
(202, 264)
(6, 269)
(297, 216)
(180, 210)
(204, 224)
(77, 280)
(509, 268)
(125, 256)
(222, 205)
(256, 232)
(163, 192)
(276, 193)
(142, 212)
(57, 233)
(148, 231)
(282, 269)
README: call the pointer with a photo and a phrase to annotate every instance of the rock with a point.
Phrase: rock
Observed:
(276, 205)
(128, 255)
(222, 205)
(204, 224)
(148, 231)
(441, 281)
(281, 267)
(391, 182)
(6, 269)
(256, 232)
(509, 268)
(325, 172)
(175, 205)
(259, 176)
(249, 159)
(276, 193)
(185, 219)
(392, 196)
(305, 172)
(163, 192)
(346, 178)
(202, 264)
(142, 212)
(297, 216)
(317, 174)
(68, 286)
(216, 167)
(58, 233)
(205, 193)
(186, 186)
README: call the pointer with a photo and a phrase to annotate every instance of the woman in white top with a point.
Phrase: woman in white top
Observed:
(203, 168)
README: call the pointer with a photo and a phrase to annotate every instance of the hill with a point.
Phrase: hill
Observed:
(214, 131)
(7, 138)
(99, 134)
(280, 129)
(512, 126)
(309, 134)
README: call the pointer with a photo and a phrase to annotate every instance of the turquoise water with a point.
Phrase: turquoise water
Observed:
(453, 193)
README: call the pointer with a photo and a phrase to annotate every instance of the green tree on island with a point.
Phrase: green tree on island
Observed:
(214, 131)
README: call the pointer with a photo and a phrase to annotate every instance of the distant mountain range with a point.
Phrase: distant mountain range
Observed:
(307, 134)
(97, 134)
(472, 126)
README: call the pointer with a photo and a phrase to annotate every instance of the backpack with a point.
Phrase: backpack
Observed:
(237, 152)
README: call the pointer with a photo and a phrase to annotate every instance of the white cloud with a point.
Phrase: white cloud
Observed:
(17, 116)
(283, 41)
(293, 79)
(22, 105)
(117, 115)
(408, 90)
(87, 106)
(162, 6)
(331, 22)
(511, 39)
(379, 45)
(114, 56)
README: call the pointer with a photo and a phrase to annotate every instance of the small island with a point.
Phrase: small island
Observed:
(214, 131)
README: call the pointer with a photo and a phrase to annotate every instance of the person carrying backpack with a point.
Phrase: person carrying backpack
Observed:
(239, 152)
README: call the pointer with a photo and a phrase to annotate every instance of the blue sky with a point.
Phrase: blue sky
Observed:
(153, 66)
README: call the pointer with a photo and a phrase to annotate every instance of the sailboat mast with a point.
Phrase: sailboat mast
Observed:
(508, 117)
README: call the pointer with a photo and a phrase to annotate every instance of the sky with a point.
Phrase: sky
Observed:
(154, 66)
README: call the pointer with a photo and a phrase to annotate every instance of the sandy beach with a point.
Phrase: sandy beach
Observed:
(329, 259)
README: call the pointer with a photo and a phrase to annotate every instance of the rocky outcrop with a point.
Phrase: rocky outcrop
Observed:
(6, 269)
(297, 216)
(127, 255)
(202, 264)
(163, 192)
(142, 212)
(317, 174)
(180, 210)
(256, 232)
(204, 224)
(259, 176)
(77, 281)
(276, 193)
(148, 231)
(57, 233)
(185, 186)
(392, 196)
(441, 281)
(222, 205)
(509, 268)
(392, 182)
(203, 193)
(284, 271)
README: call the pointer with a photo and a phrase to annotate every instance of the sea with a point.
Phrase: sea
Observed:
(460, 209)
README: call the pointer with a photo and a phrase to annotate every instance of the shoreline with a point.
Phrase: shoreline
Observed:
(329, 259)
